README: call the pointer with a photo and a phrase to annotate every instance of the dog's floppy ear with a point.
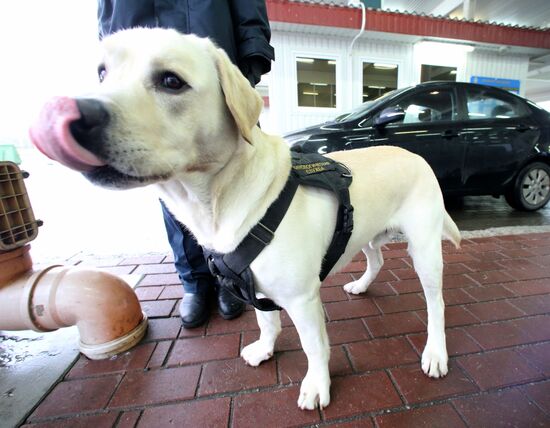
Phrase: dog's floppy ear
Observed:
(245, 104)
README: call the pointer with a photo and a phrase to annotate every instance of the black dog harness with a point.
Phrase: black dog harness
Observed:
(233, 269)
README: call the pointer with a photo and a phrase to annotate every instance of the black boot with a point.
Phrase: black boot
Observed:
(194, 309)
(229, 306)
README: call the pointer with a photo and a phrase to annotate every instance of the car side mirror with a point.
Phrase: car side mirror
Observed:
(389, 115)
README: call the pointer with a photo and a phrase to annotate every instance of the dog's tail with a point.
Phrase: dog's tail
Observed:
(450, 230)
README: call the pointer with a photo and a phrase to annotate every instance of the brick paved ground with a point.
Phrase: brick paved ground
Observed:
(497, 292)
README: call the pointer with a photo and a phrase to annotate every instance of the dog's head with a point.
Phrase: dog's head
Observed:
(167, 105)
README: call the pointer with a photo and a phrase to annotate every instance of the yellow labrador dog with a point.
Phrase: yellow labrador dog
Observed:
(172, 111)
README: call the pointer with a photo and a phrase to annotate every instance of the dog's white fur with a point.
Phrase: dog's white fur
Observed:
(224, 172)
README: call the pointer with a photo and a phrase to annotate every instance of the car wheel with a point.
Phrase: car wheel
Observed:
(531, 189)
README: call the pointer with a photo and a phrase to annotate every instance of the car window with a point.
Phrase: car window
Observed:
(362, 109)
(428, 106)
(483, 104)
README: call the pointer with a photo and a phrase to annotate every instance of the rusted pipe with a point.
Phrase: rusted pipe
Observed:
(103, 307)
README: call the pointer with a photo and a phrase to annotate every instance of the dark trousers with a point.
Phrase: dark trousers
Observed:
(188, 256)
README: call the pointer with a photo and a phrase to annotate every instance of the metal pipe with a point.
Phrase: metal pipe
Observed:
(103, 307)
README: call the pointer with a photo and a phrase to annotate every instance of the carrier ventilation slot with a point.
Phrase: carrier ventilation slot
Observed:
(17, 223)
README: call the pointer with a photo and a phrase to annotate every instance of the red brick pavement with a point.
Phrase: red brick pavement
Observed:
(497, 291)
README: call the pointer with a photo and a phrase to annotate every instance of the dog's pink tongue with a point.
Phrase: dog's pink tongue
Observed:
(52, 136)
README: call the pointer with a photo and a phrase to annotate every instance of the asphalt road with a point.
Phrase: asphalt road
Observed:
(483, 212)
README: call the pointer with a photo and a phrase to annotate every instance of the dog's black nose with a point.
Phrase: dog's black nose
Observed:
(89, 129)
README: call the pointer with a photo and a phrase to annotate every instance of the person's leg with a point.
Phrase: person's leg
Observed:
(192, 271)
(195, 276)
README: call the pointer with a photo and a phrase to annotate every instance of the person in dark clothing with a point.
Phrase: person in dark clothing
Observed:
(241, 29)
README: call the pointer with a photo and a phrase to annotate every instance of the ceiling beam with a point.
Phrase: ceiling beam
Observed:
(541, 59)
(446, 7)
(538, 71)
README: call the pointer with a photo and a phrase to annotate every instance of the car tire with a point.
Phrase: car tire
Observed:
(531, 189)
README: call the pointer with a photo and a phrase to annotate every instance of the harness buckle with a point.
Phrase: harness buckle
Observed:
(346, 174)
(348, 219)
(262, 233)
(212, 266)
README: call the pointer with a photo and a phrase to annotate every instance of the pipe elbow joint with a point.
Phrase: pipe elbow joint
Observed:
(103, 307)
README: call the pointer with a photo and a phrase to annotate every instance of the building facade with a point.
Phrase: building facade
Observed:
(321, 72)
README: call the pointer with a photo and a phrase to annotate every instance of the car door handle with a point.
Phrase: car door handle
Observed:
(449, 133)
(522, 127)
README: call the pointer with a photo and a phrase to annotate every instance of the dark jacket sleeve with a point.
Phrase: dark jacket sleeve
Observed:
(252, 33)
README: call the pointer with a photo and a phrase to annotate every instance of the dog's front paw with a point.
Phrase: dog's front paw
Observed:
(256, 352)
(313, 393)
(434, 363)
(355, 287)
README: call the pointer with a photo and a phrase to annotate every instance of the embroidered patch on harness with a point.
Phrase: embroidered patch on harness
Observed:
(312, 168)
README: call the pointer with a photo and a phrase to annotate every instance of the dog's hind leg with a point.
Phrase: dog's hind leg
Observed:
(308, 317)
(262, 349)
(375, 260)
(428, 263)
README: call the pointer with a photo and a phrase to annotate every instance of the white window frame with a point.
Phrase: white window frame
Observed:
(330, 56)
(357, 95)
(458, 61)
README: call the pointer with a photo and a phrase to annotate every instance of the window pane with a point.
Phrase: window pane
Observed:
(316, 82)
(437, 72)
(490, 106)
(378, 79)
(429, 106)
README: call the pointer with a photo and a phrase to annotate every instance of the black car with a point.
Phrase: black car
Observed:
(479, 140)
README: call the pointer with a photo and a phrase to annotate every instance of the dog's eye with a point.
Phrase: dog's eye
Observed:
(171, 81)
(101, 72)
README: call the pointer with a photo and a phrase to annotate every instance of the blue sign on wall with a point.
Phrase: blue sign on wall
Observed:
(511, 85)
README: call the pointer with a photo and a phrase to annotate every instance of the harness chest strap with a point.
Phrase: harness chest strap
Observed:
(233, 269)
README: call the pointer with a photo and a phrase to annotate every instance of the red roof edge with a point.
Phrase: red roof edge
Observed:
(402, 23)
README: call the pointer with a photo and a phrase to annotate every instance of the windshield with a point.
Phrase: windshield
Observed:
(360, 110)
